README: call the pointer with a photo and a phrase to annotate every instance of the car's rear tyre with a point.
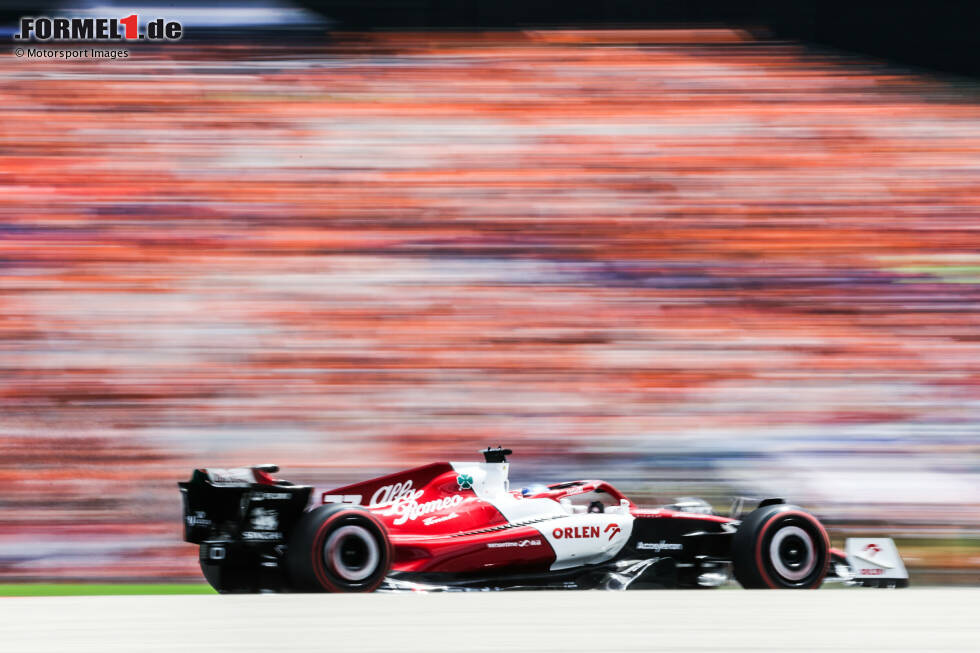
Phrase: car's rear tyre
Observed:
(338, 548)
(780, 547)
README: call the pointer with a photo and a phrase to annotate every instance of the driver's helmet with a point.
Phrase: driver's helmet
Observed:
(534, 488)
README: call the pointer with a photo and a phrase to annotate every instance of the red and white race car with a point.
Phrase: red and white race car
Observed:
(459, 525)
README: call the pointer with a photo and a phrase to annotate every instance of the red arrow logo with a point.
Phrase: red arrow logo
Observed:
(872, 550)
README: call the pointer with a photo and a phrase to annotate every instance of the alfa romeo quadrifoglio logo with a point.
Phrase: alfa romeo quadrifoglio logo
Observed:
(45, 28)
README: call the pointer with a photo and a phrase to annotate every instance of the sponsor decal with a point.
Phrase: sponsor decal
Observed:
(391, 493)
(616, 530)
(575, 532)
(869, 554)
(270, 496)
(659, 546)
(264, 520)
(253, 535)
(199, 518)
(428, 521)
(872, 572)
(519, 544)
(237, 475)
(464, 481)
(340, 498)
(408, 507)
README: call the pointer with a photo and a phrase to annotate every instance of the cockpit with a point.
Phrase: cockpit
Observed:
(579, 497)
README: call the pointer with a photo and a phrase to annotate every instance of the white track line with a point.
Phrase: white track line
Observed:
(735, 620)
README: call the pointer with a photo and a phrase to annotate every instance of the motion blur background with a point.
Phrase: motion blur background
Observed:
(685, 247)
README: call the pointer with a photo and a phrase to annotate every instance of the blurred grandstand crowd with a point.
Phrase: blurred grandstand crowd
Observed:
(683, 261)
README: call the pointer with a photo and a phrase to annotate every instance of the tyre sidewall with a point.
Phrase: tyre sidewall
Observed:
(306, 568)
(752, 558)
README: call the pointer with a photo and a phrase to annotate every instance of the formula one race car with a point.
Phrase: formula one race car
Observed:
(459, 526)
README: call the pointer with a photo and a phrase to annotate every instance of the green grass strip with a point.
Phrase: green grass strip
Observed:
(101, 589)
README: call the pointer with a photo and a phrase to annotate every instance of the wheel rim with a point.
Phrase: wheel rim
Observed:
(352, 553)
(792, 553)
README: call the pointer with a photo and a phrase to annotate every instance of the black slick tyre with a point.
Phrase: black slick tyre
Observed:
(780, 547)
(338, 548)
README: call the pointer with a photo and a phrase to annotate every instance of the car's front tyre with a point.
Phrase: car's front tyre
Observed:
(780, 547)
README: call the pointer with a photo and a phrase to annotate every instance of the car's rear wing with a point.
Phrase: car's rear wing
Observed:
(244, 503)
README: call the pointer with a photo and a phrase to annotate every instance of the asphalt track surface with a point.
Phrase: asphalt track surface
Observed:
(736, 620)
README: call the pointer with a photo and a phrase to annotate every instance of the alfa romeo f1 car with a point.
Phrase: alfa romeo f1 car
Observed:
(459, 526)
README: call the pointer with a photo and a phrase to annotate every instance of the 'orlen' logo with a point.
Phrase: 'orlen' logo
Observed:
(616, 530)
(575, 532)
(44, 28)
